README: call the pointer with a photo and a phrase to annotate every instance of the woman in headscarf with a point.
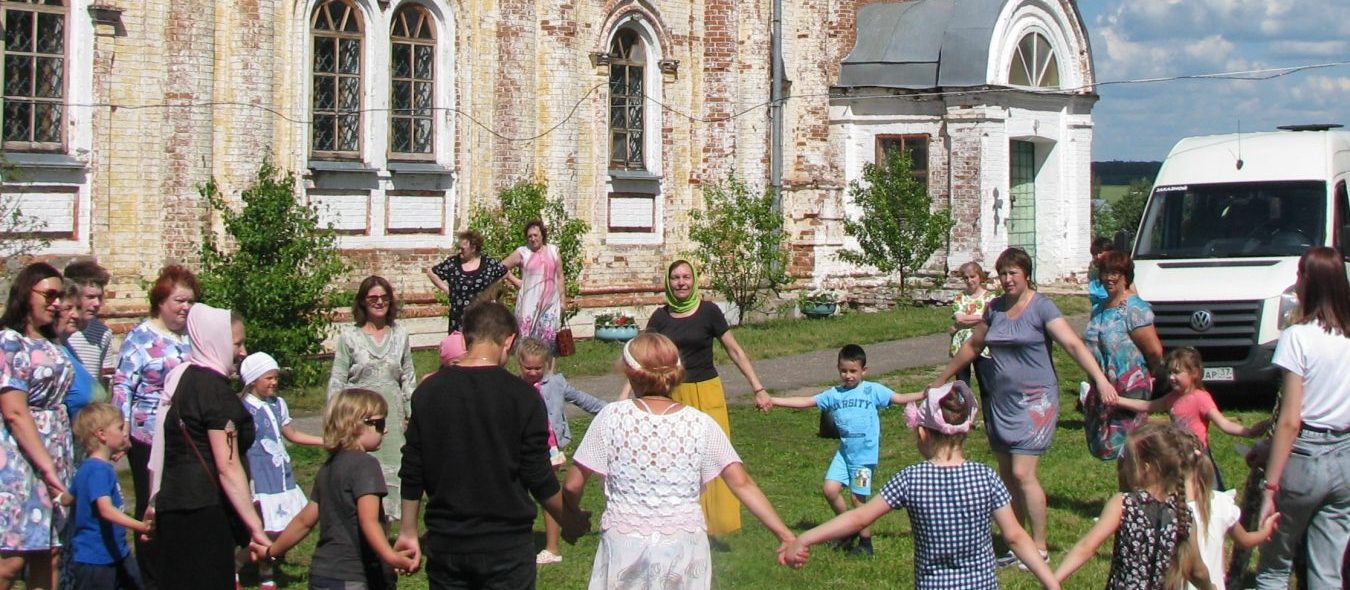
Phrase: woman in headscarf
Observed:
(198, 472)
(693, 325)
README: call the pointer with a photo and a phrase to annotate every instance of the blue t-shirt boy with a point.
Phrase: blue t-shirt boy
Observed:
(97, 541)
(854, 411)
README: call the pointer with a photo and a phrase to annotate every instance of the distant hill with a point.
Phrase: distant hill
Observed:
(1117, 172)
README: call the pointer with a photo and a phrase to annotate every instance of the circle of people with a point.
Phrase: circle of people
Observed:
(471, 448)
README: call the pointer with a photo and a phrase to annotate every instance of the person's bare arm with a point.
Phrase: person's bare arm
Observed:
(1229, 426)
(297, 530)
(1244, 539)
(745, 489)
(800, 403)
(1023, 546)
(19, 420)
(900, 399)
(440, 283)
(1063, 333)
(1151, 406)
(407, 541)
(372, 530)
(300, 438)
(110, 513)
(1146, 339)
(964, 356)
(233, 481)
(1083, 550)
(848, 523)
(742, 362)
(1287, 425)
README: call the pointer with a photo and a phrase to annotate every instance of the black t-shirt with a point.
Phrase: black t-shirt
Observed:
(342, 552)
(694, 337)
(477, 445)
(204, 401)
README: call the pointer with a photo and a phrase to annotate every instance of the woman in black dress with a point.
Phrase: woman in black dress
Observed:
(465, 275)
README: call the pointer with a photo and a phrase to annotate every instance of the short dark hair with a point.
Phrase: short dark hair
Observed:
(359, 304)
(853, 353)
(488, 320)
(1101, 244)
(1015, 257)
(16, 308)
(172, 276)
(543, 230)
(474, 238)
(1116, 261)
(87, 273)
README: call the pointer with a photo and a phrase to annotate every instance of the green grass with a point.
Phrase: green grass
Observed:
(787, 460)
(1113, 192)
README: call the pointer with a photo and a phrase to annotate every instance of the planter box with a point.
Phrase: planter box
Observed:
(616, 333)
(818, 310)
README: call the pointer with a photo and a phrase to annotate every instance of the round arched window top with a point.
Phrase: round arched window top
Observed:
(1034, 64)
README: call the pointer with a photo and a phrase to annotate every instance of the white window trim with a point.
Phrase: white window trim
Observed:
(649, 181)
(1052, 23)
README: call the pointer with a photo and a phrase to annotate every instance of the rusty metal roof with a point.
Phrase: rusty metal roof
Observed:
(919, 44)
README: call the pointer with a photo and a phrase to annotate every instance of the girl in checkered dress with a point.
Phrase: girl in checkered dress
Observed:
(1154, 546)
(949, 501)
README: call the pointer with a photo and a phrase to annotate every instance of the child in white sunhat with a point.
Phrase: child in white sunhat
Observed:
(949, 500)
(275, 492)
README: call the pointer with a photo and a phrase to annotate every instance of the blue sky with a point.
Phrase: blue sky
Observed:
(1134, 39)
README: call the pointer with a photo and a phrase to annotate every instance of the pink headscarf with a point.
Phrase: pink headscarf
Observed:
(928, 413)
(209, 331)
(452, 348)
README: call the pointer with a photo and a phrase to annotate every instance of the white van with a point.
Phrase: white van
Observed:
(1218, 245)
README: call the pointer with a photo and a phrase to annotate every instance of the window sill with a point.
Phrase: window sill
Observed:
(634, 175)
(349, 166)
(420, 168)
(39, 160)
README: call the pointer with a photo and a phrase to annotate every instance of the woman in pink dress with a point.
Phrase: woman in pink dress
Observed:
(539, 304)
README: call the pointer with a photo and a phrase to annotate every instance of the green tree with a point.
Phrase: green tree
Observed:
(502, 225)
(898, 229)
(741, 244)
(1125, 213)
(279, 269)
(20, 234)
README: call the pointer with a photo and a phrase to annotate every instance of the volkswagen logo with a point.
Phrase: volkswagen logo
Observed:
(1202, 320)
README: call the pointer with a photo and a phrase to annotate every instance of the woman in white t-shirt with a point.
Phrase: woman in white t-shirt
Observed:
(1308, 471)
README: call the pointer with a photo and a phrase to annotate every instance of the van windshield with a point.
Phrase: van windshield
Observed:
(1233, 220)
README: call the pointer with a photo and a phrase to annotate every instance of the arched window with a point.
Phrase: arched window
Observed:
(1034, 64)
(412, 74)
(336, 31)
(35, 74)
(627, 65)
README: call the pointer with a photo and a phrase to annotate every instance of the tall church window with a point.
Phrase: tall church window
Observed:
(627, 66)
(412, 82)
(1034, 64)
(35, 74)
(336, 107)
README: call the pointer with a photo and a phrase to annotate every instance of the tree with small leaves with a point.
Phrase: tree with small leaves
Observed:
(20, 233)
(898, 230)
(742, 246)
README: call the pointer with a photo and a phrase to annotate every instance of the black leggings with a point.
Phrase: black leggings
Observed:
(203, 555)
(139, 457)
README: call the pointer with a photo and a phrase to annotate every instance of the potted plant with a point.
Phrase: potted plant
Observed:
(615, 327)
(818, 303)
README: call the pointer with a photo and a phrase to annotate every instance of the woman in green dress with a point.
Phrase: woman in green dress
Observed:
(374, 353)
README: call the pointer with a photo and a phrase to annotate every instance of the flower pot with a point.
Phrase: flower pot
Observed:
(616, 333)
(818, 310)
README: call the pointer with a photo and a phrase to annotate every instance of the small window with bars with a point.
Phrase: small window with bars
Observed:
(916, 146)
(35, 75)
(412, 74)
(627, 67)
(336, 107)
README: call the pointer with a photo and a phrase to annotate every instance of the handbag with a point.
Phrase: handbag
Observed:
(566, 345)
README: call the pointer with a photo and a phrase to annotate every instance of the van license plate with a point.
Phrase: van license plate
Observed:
(1218, 373)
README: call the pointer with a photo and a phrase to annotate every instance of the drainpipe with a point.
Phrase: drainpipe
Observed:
(776, 108)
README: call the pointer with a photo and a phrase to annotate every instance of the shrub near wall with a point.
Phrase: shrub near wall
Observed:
(278, 268)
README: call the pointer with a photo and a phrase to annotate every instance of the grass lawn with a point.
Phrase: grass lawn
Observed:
(1113, 192)
(787, 460)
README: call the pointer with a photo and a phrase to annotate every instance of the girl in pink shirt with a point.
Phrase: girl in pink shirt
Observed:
(1192, 407)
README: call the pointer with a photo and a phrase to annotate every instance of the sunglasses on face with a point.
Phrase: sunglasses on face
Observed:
(376, 423)
(49, 295)
(378, 299)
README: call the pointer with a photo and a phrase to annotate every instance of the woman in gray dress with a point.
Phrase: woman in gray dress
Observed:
(1023, 390)
(374, 353)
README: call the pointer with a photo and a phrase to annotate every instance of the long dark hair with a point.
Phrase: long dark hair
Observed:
(17, 307)
(359, 306)
(1323, 294)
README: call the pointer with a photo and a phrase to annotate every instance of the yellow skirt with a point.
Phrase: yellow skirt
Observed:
(721, 509)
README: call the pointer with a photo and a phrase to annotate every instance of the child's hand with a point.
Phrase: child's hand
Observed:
(793, 554)
(580, 525)
(403, 563)
(1269, 526)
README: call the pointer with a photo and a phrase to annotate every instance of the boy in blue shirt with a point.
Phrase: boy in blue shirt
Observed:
(853, 406)
(99, 543)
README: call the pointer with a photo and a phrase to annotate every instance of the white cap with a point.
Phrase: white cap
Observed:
(255, 366)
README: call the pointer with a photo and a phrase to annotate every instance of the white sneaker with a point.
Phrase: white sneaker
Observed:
(547, 557)
(1044, 555)
(1005, 560)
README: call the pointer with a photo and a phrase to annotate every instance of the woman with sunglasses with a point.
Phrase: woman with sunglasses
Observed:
(374, 353)
(35, 443)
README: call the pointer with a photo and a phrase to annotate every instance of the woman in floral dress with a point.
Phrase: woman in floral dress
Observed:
(374, 353)
(540, 302)
(35, 443)
(1126, 346)
(464, 277)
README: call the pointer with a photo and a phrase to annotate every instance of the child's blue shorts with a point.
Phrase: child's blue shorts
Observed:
(858, 478)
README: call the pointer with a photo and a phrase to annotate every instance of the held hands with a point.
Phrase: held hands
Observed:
(793, 554)
(579, 524)
(409, 547)
(763, 401)
(1106, 391)
(403, 562)
(259, 546)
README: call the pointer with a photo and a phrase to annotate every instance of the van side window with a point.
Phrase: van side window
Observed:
(1342, 225)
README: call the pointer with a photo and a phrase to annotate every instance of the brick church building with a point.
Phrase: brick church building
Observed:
(398, 115)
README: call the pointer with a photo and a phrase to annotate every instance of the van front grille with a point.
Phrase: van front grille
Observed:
(1229, 338)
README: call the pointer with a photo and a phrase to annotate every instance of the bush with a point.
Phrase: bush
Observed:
(741, 244)
(20, 234)
(1124, 214)
(501, 226)
(279, 272)
(898, 230)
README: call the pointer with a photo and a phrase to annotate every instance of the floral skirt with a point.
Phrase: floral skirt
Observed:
(28, 520)
(654, 561)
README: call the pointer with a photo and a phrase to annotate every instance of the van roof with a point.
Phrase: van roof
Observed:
(1271, 155)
